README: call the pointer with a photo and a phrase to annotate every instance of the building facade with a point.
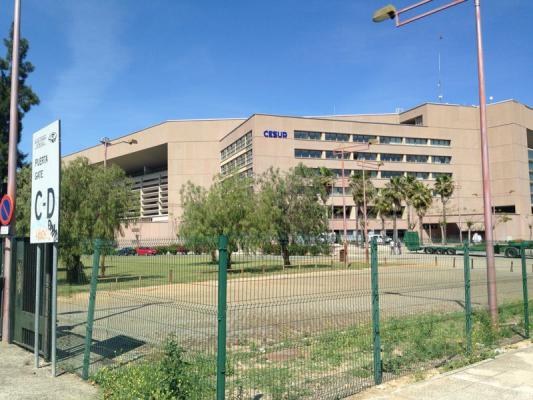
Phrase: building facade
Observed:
(425, 142)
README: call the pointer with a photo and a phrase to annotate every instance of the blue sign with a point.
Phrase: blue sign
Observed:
(275, 134)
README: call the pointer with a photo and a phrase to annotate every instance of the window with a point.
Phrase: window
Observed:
(416, 158)
(337, 191)
(390, 140)
(530, 154)
(392, 157)
(419, 175)
(365, 156)
(504, 209)
(330, 154)
(418, 121)
(368, 173)
(363, 138)
(307, 135)
(417, 141)
(440, 142)
(300, 153)
(390, 174)
(441, 159)
(236, 146)
(437, 174)
(237, 163)
(338, 137)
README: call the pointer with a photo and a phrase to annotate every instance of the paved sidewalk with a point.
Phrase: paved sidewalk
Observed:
(20, 381)
(508, 377)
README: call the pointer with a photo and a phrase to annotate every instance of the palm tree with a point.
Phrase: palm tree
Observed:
(383, 207)
(408, 187)
(393, 192)
(359, 188)
(444, 187)
(469, 225)
(421, 200)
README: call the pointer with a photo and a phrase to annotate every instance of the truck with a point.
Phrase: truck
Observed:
(510, 248)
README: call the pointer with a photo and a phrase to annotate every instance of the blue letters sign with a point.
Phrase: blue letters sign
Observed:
(275, 134)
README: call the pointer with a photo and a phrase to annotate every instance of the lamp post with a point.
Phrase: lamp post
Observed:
(341, 151)
(363, 164)
(11, 172)
(107, 143)
(390, 12)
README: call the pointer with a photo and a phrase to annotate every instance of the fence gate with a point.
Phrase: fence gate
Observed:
(24, 277)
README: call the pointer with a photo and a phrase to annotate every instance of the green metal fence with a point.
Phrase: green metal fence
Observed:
(318, 321)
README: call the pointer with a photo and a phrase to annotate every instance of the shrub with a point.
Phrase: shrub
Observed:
(168, 376)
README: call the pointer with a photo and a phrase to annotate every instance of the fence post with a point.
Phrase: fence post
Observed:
(222, 309)
(375, 312)
(90, 311)
(468, 299)
(524, 290)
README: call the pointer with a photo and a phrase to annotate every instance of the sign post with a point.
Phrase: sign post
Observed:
(45, 197)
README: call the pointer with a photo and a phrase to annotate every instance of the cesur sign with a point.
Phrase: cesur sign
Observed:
(275, 134)
(46, 163)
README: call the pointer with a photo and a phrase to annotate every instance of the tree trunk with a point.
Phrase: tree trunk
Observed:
(408, 217)
(214, 259)
(394, 227)
(75, 273)
(383, 232)
(469, 233)
(356, 224)
(443, 225)
(102, 264)
(285, 253)
(420, 227)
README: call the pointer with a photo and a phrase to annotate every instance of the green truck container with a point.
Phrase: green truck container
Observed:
(510, 248)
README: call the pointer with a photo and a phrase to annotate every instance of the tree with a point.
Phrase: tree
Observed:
(470, 224)
(225, 209)
(383, 207)
(26, 99)
(393, 192)
(421, 200)
(288, 206)
(360, 188)
(94, 201)
(444, 187)
(327, 181)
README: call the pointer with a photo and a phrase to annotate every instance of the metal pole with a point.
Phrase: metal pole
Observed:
(525, 291)
(365, 211)
(468, 298)
(37, 306)
(90, 311)
(376, 338)
(54, 309)
(344, 211)
(222, 310)
(105, 154)
(485, 170)
(11, 171)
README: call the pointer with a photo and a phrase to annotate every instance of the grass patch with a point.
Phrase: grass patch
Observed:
(125, 272)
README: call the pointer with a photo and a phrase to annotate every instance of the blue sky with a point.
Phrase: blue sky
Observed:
(109, 67)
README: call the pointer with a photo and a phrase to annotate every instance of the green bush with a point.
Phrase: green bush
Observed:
(167, 377)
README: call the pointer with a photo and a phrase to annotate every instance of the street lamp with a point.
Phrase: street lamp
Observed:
(107, 143)
(390, 12)
(341, 151)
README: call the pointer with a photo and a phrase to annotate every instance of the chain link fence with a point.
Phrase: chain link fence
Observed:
(305, 320)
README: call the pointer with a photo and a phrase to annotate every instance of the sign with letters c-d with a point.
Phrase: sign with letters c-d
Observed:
(46, 164)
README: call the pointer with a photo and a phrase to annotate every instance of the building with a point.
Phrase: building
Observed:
(425, 141)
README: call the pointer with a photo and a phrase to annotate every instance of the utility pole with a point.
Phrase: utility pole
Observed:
(11, 172)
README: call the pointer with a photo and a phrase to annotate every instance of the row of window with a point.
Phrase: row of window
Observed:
(236, 146)
(347, 137)
(388, 174)
(387, 157)
(243, 160)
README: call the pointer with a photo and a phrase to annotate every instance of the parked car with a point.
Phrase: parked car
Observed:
(146, 251)
(380, 239)
(126, 251)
